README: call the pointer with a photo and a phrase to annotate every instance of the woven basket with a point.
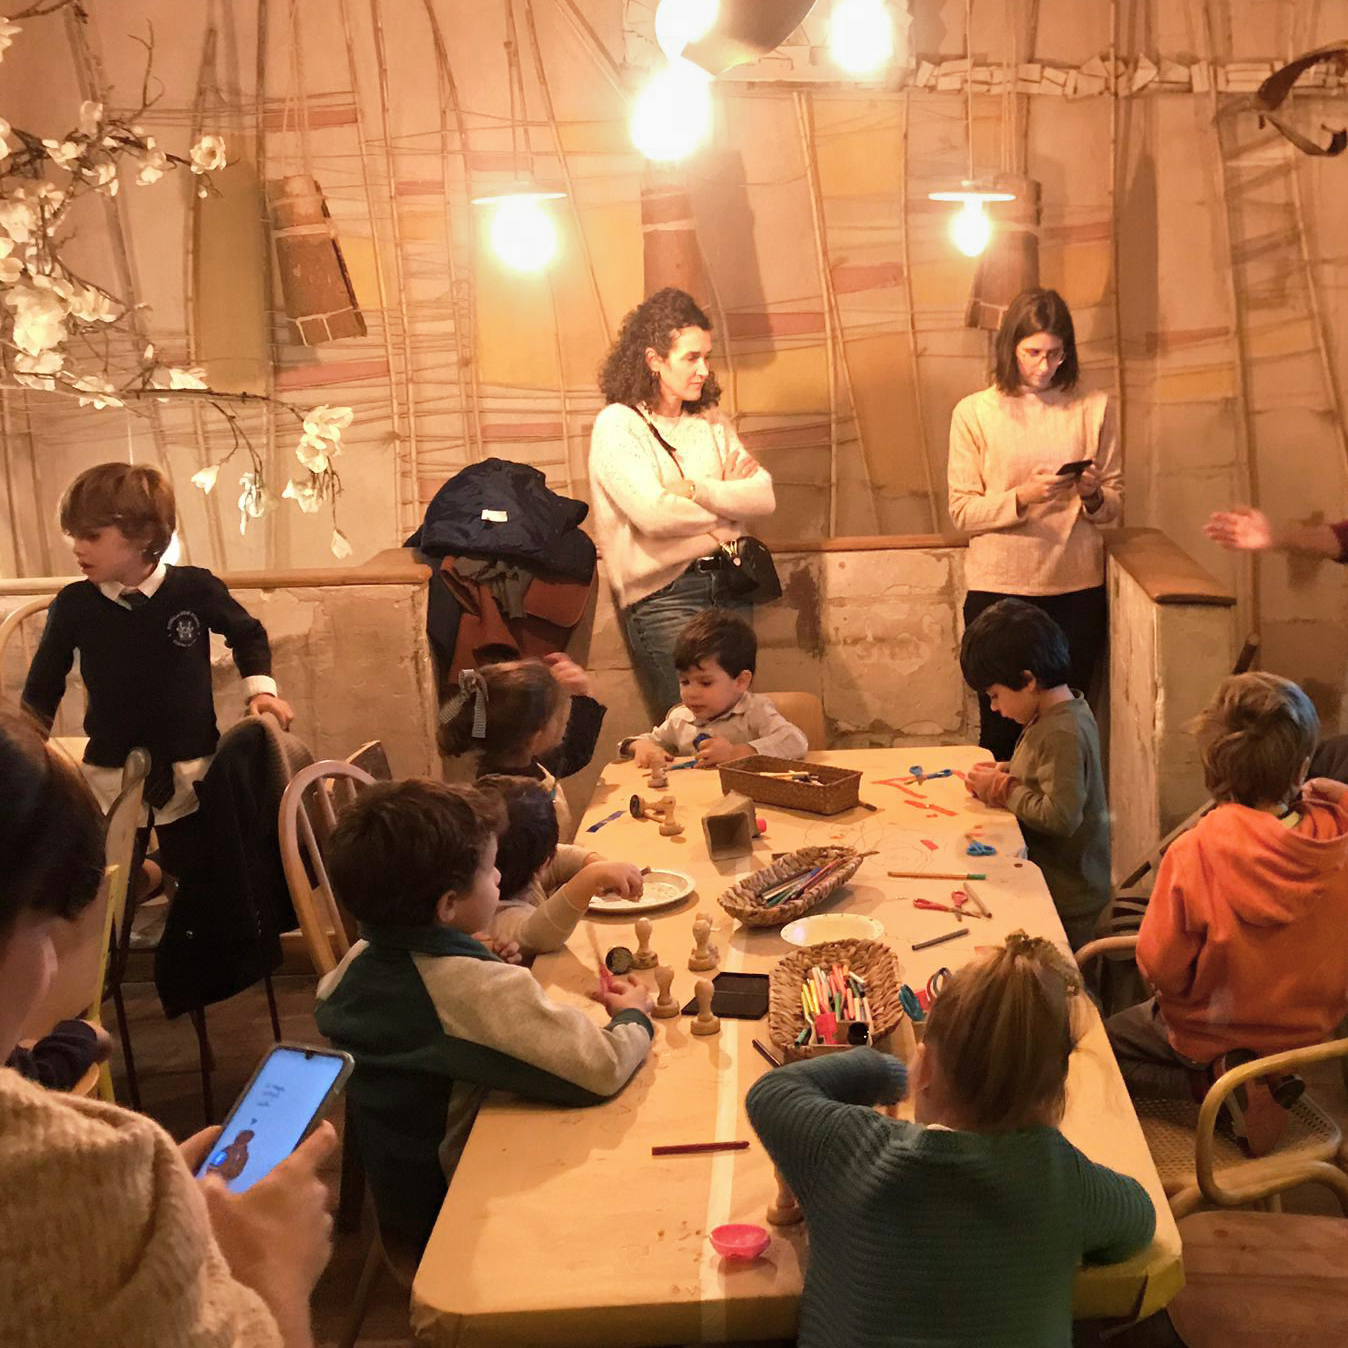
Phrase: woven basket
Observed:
(840, 791)
(872, 960)
(742, 900)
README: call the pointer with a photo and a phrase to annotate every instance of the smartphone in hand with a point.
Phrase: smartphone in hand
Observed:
(1075, 468)
(290, 1092)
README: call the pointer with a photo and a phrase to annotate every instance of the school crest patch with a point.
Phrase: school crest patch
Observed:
(184, 628)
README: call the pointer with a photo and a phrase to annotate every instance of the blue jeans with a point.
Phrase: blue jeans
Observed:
(653, 625)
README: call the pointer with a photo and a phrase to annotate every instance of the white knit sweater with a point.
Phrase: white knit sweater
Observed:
(104, 1236)
(646, 535)
(996, 443)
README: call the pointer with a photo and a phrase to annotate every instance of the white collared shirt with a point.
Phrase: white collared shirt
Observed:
(106, 783)
(753, 720)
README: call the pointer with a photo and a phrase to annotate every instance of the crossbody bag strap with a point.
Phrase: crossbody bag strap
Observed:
(663, 442)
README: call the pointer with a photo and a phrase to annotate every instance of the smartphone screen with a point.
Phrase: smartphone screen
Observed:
(288, 1092)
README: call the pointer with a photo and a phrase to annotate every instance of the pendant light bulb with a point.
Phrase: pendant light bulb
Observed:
(523, 235)
(971, 229)
(671, 116)
(861, 35)
(679, 22)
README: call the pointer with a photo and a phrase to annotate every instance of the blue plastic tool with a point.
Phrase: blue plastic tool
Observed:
(981, 849)
(607, 819)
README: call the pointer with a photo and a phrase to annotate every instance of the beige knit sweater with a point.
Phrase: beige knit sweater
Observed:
(996, 442)
(647, 535)
(541, 917)
(104, 1236)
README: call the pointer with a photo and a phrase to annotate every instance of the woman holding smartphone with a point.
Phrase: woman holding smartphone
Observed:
(105, 1237)
(1034, 471)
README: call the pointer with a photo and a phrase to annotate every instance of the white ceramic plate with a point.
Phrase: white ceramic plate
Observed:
(663, 888)
(819, 928)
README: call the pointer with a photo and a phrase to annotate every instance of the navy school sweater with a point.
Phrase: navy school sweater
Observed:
(434, 1020)
(147, 671)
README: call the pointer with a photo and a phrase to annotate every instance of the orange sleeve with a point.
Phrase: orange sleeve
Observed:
(1169, 942)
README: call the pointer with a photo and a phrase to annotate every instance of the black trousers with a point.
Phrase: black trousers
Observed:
(1083, 616)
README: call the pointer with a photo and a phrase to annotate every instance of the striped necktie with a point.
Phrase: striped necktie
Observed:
(134, 599)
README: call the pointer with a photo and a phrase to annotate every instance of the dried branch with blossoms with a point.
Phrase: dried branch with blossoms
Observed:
(55, 325)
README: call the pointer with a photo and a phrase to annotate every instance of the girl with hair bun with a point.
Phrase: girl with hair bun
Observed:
(968, 1225)
(670, 484)
(1243, 940)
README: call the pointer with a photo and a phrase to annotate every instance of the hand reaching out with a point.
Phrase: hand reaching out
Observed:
(569, 674)
(279, 708)
(1243, 529)
(717, 749)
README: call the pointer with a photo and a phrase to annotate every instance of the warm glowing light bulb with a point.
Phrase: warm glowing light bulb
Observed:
(971, 229)
(861, 35)
(671, 116)
(679, 22)
(522, 233)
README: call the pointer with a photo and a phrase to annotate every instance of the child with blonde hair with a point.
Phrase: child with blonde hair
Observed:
(968, 1225)
(1243, 939)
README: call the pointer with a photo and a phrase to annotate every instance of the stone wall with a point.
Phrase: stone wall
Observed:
(869, 625)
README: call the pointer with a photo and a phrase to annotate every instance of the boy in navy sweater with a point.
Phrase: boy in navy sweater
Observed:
(141, 628)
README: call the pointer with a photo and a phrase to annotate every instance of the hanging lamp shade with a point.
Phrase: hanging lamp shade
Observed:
(744, 31)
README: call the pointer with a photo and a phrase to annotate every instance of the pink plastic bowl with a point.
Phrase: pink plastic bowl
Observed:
(738, 1241)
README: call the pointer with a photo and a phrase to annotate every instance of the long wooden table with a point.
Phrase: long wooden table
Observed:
(560, 1228)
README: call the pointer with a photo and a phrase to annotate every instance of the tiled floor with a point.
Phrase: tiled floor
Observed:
(240, 1031)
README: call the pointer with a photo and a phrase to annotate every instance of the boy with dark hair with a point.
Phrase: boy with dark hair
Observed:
(546, 886)
(719, 719)
(1017, 655)
(432, 1017)
(141, 628)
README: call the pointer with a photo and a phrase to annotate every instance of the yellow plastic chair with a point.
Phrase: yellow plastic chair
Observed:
(81, 981)
(1198, 1165)
(806, 711)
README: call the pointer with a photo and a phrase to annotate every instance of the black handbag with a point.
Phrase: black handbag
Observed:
(750, 571)
(748, 568)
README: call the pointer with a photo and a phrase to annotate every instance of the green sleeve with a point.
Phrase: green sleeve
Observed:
(1056, 803)
(1117, 1215)
(805, 1112)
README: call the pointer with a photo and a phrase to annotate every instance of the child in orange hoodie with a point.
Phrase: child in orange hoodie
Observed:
(1243, 940)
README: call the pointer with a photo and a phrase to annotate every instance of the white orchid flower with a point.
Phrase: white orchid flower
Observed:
(9, 142)
(91, 117)
(39, 318)
(255, 500)
(208, 154)
(314, 453)
(102, 392)
(8, 32)
(304, 494)
(63, 153)
(151, 168)
(205, 478)
(90, 305)
(47, 362)
(340, 545)
(180, 378)
(17, 217)
(327, 423)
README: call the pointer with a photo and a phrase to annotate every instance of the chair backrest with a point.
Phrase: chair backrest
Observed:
(806, 711)
(371, 758)
(82, 947)
(306, 821)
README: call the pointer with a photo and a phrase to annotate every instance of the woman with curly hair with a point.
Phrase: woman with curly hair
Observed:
(670, 483)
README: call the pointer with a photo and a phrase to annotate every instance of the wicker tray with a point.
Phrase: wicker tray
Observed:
(840, 790)
(873, 960)
(741, 900)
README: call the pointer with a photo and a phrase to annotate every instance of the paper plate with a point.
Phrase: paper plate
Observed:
(820, 928)
(663, 888)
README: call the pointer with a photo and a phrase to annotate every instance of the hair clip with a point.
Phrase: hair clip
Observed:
(471, 684)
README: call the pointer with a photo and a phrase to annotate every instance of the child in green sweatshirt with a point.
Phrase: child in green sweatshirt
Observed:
(967, 1226)
(1018, 656)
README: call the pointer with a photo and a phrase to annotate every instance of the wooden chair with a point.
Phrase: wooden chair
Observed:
(1196, 1163)
(806, 711)
(369, 758)
(13, 628)
(308, 815)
